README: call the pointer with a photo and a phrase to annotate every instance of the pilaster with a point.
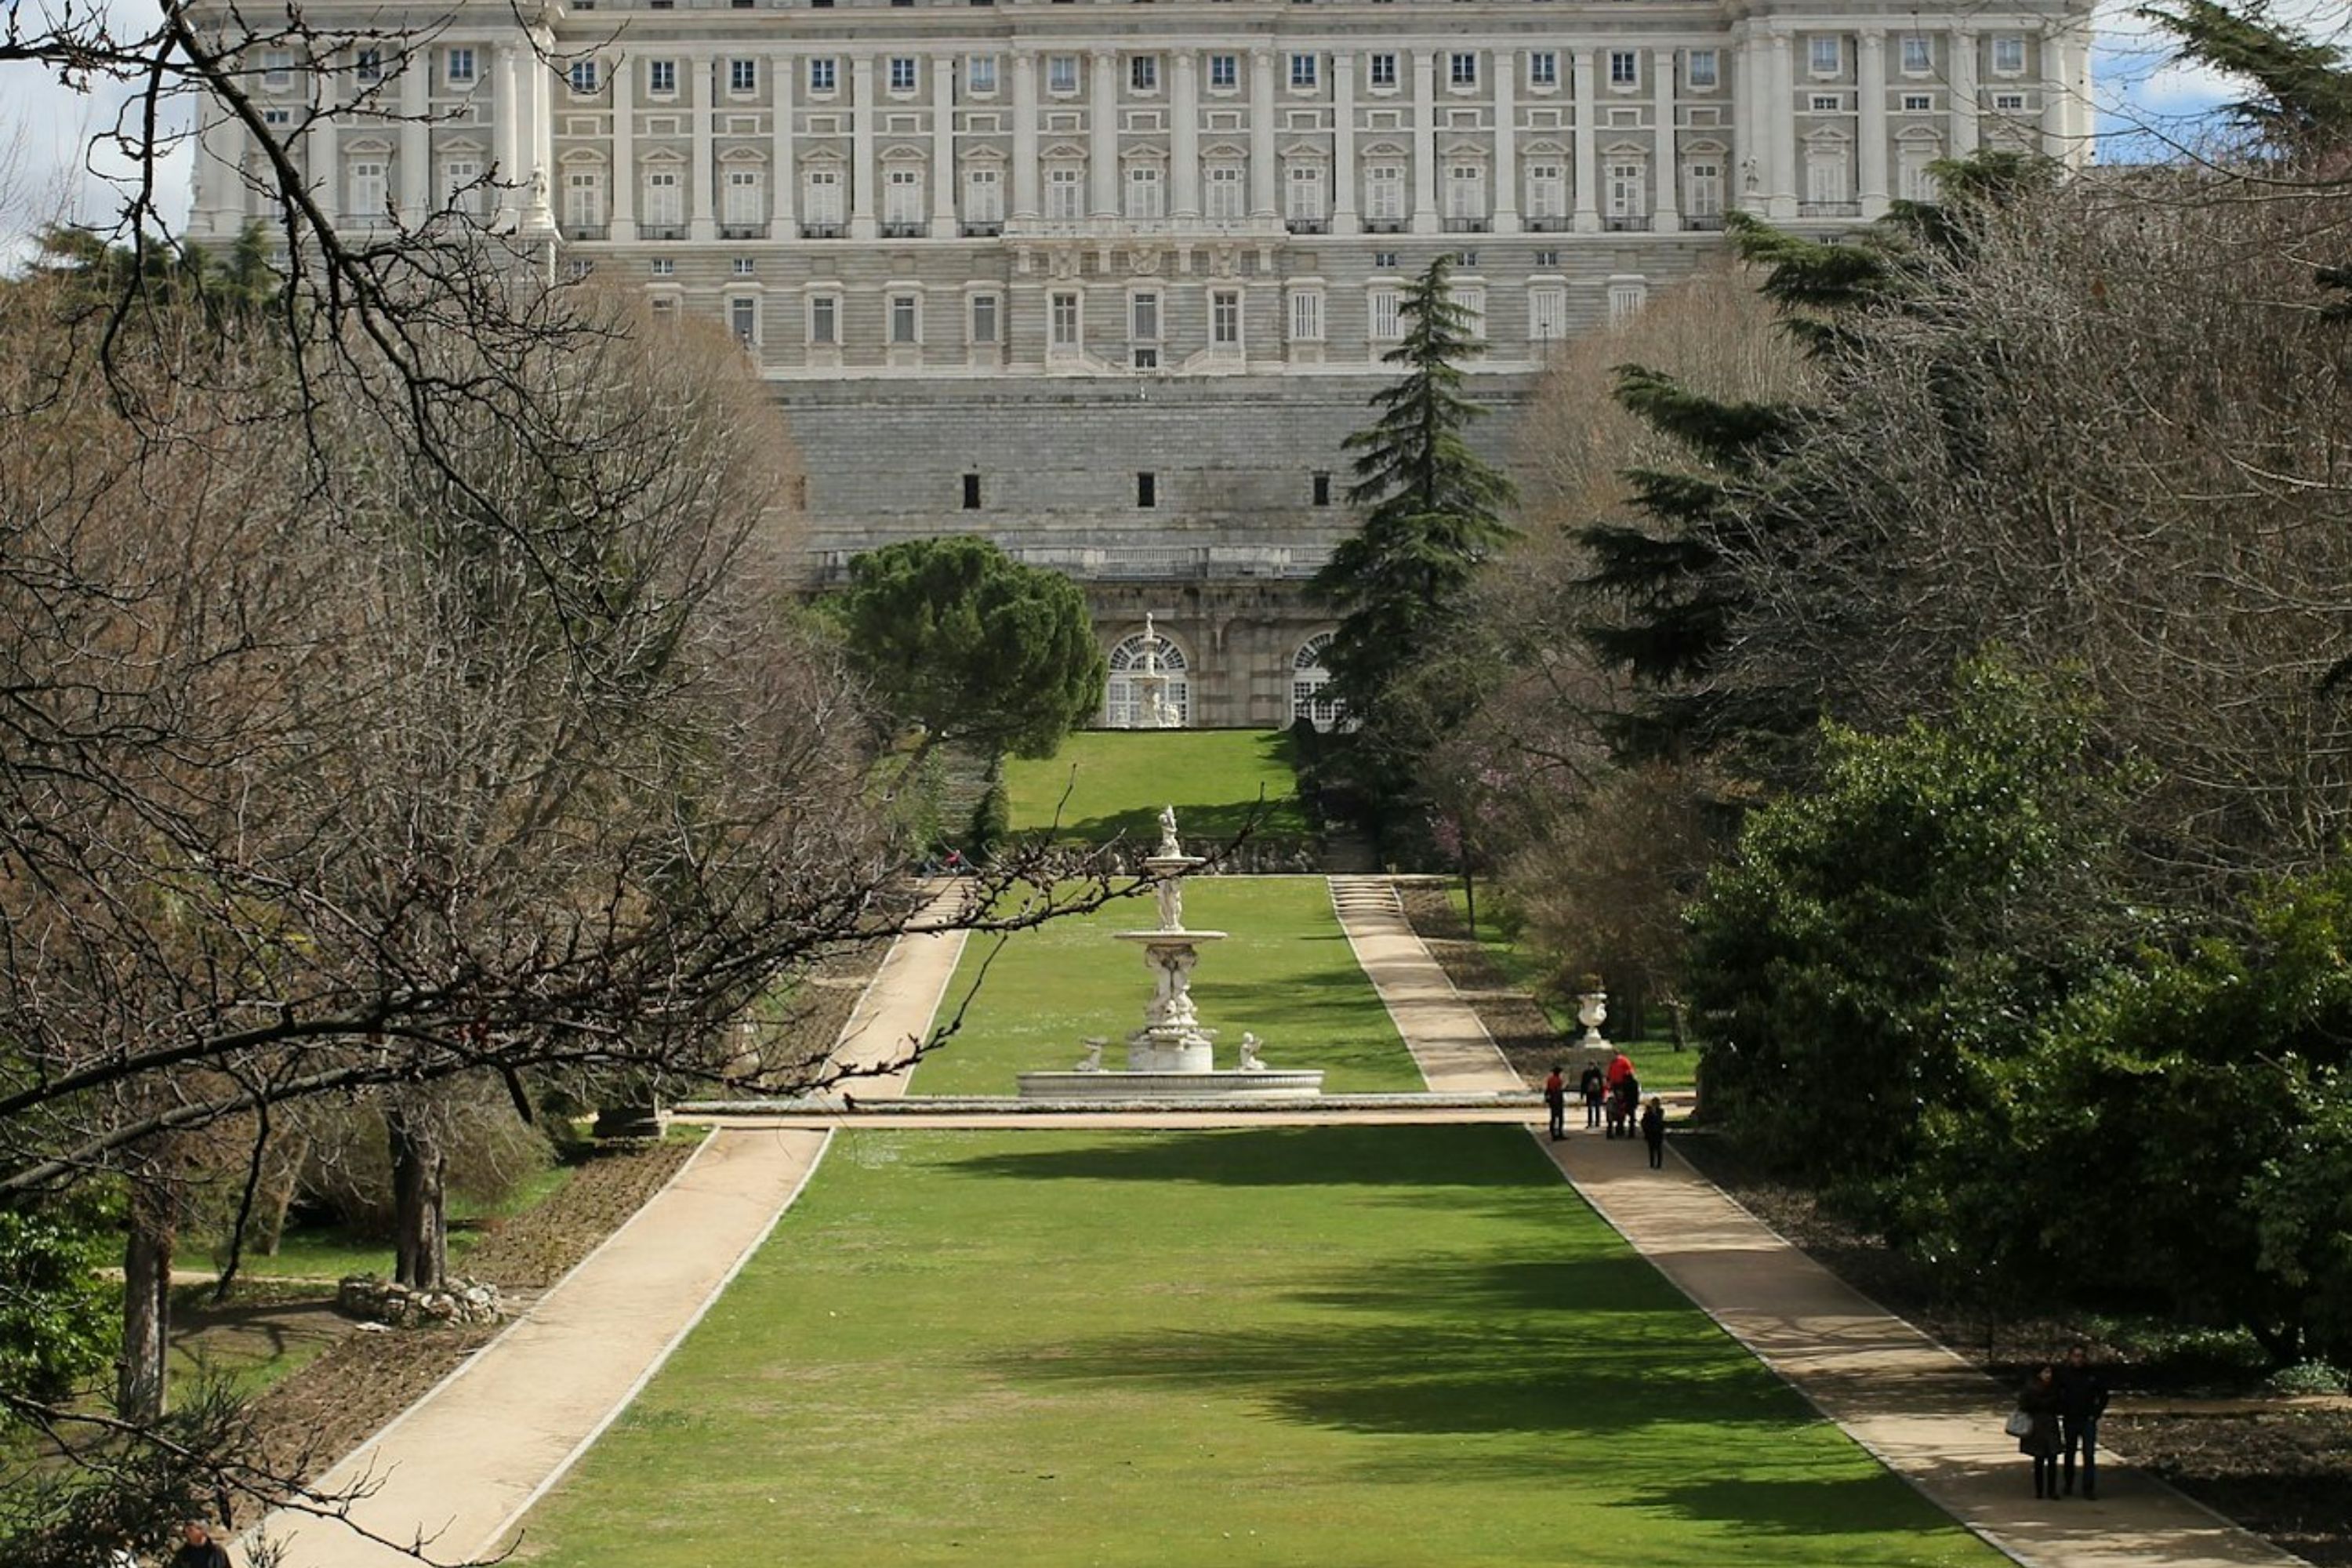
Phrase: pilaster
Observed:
(1262, 113)
(625, 150)
(1964, 92)
(1507, 145)
(1871, 124)
(701, 223)
(1588, 144)
(1344, 182)
(943, 158)
(862, 172)
(1424, 142)
(785, 82)
(1025, 137)
(1665, 164)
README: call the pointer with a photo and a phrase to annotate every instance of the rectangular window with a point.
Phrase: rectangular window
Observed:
(2009, 55)
(1625, 300)
(1702, 68)
(821, 199)
(458, 68)
(1225, 196)
(1305, 193)
(1384, 193)
(278, 117)
(1226, 318)
(584, 201)
(1143, 73)
(1147, 490)
(663, 266)
(1466, 191)
(1547, 190)
(2009, 100)
(1461, 68)
(1917, 102)
(1543, 69)
(461, 182)
(1624, 190)
(1225, 72)
(905, 320)
(902, 73)
(979, 75)
(1827, 103)
(742, 76)
(367, 193)
(1625, 69)
(1385, 261)
(984, 194)
(823, 73)
(902, 197)
(583, 78)
(1382, 309)
(1472, 302)
(1062, 73)
(1143, 317)
(1702, 196)
(986, 314)
(1143, 193)
(825, 320)
(1321, 488)
(1303, 70)
(1384, 70)
(1826, 181)
(1065, 193)
(1064, 321)
(741, 206)
(1306, 316)
(664, 202)
(1918, 55)
(276, 67)
(1546, 259)
(1547, 314)
(661, 77)
(743, 319)
(368, 66)
(972, 492)
(1826, 56)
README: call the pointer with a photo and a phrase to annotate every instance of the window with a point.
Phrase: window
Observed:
(1472, 303)
(1546, 259)
(276, 67)
(1625, 69)
(1383, 309)
(1703, 188)
(1319, 487)
(583, 78)
(1062, 73)
(1147, 490)
(1825, 56)
(1700, 66)
(743, 319)
(984, 194)
(1384, 193)
(1917, 102)
(742, 76)
(1826, 102)
(1305, 193)
(1144, 189)
(1913, 182)
(1825, 176)
(278, 117)
(461, 185)
(1626, 300)
(1143, 73)
(1385, 259)
(1543, 69)
(1225, 197)
(578, 268)
(367, 188)
(1546, 190)
(1225, 72)
(1547, 313)
(902, 73)
(2009, 100)
(987, 315)
(745, 266)
(1064, 321)
(823, 73)
(664, 202)
(825, 321)
(902, 197)
(458, 67)
(1384, 71)
(1461, 68)
(821, 198)
(1225, 319)
(663, 266)
(972, 492)
(1129, 703)
(1310, 697)
(2009, 55)
(584, 201)
(906, 319)
(1143, 317)
(1918, 55)
(1064, 193)
(661, 77)
(1306, 316)
(1466, 191)
(1302, 69)
(368, 66)
(1624, 184)
(979, 75)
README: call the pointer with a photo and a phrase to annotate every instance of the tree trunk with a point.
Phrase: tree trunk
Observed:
(420, 1216)
(1469, 890)
(146, 1301)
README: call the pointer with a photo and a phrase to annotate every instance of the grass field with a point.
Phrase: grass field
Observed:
(1116, 781)
(329, 1252)
(1282, 1346)
(1285, 971)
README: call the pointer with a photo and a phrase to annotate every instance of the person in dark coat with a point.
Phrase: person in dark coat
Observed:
(1654, 1130)
(198, 1549)
(1629, 1103)
(2082, 1400)
(1594, 1087)
(1555, 1102)
(2039, 1400)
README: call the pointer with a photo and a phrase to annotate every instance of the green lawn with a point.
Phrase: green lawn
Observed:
(329, 1252)
(1363, 1346)
(1116, 781)
(1285, 971)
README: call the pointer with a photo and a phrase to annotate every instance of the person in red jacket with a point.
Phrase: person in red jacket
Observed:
(1555, 1102)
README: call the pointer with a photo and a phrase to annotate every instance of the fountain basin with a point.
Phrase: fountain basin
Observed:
(1169, 938)
(1269, 1084)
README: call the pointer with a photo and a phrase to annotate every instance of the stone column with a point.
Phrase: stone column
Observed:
(1184, 136)
(701, 222)
(1025, 137)
(1102, 136)
(785, 71)
(1665, 166)
(1264, 203)
(1588, 144)
(1871, 124)
(1424, 142)
(1964, 92)
(1343, 143)
(505, 138)
(326, 174)
(943, 161)
(1505, 203)
(537, 139)
(861, 147)
(416, 141)
(220, 146)
(2051, 45)
(1781, 125)
(1746, 175)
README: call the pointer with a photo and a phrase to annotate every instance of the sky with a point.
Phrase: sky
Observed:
(57, 151)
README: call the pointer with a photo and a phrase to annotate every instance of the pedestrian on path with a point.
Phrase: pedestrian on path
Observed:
(1626, 1109)
(198, 1549)
(2038, 1403)
(1592, 1085)
(1654, 1130)
(1555, 1102)
(2082, 1400)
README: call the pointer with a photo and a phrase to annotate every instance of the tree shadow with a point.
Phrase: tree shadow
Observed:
(1456, 1165)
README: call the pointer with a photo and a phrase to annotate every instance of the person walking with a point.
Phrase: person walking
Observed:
(1555, 1102)
(2038, 1403)
(1654, 1131)
(1593, 1086)
(198, 1549)
(2082, 1400)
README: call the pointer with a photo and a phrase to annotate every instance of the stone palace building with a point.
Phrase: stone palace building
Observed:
(1109, 280)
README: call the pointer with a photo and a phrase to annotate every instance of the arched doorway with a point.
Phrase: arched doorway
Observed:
(1127, 697)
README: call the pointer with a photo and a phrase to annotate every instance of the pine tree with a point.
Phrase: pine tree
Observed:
(1435, 508)
(2303, 88)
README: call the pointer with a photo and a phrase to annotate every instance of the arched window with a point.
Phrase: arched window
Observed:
(1310, 696)
(1127, 698)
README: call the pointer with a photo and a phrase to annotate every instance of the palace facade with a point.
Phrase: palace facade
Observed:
(1109, 280)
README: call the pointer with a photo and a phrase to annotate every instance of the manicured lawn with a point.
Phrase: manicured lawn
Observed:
(1360, 1346)
(1116, 781)
(1285, 971)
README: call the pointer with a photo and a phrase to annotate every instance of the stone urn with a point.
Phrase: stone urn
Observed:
(1591, 1011)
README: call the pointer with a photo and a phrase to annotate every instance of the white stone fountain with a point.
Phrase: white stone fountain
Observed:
(1172, 1054)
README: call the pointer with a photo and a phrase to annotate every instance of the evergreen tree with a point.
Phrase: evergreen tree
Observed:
(2303, 88)
(1435, 508)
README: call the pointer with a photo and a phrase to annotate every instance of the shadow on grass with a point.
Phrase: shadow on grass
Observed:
(1457, 1165)
(1206, 824)
(1802, 1508)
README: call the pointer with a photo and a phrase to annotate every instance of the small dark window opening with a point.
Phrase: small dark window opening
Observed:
(1322, 490)
(1147, 490)
(972, 492)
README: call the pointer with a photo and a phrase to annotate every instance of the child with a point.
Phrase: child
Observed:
(1654, 1130)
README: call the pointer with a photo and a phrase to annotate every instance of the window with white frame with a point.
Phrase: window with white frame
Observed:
(1827, 103)
(823, 73)
(745, 265)
(1543, 69)
(2008, 101)
(1225, 72)
(1625, 187)
(583, 78)
(367, 188)
(2008, 53)
(278, 69)
(1306, 315)
(906, 319)
(1466, 191)
(1130, 703)
(584, 198)
(902, 194)
(824, 320)
(1225, 319)
(1914, 179)
(367, 66)
(1547, 312)
(743, 319)
(1461, 68)
(661, 77)
(662, 267)
(1827, 182)
(1917, 54)
(1310, 685)
(1143, 328)
(1146, 192)
(983, 194)
(457, 66)
(1702, 68)
(1546, 194)
(1626, 300)
(665, 199)
(1703, 187)
(461, 184)
(1304, 69)
(986, 319)
(1471, 301)
(1143, 73)
(821, 198)
(1062, 74)
(278, 117)
(1064, 320)
(1227, 197)
(1384, 193)
(742, 200)
(1825, 54)
(1383, 72)
(1625, 69)
(1304, 199)
(979, 75)
(1384, 314)
(1065, 193)
(902, 73)
(1918, 102)
(742, 76)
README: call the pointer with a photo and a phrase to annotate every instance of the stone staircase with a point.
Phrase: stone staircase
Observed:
(1365, 898)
